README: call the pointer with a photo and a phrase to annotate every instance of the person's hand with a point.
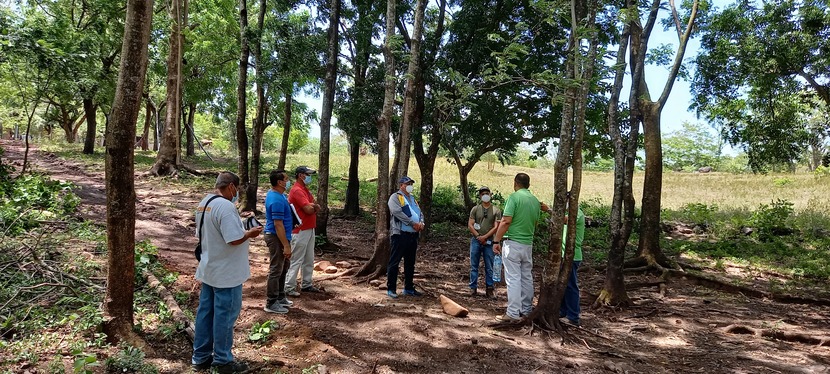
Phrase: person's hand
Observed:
(419, 227)
(286, 251)
(481, 239)
(254, 232)
(497, 248)
(316, 207)
(544, 206)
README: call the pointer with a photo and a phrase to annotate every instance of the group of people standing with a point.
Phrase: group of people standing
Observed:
(290, 236)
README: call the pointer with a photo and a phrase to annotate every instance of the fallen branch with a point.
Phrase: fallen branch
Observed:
(502, 336)
(720, 285)
(171, 304)
(636, 285)
(608, 353)
(821, 341)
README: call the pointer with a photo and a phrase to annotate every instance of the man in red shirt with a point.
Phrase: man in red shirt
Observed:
(302, 237)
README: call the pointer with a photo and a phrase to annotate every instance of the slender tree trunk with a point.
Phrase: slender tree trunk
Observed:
(89, 111)
(652, 186)
(167, 159)
(241, 98)
(376, 266)
(325, 122)
(352, 206)
(411, 93)
(148, 119)
(613, 291)
(260, 121)
(29, 118)
(286, 131)
(191, 137)
(159, 126)
(120, 183)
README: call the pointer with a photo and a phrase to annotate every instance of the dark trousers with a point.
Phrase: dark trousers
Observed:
(277, 270)
(404, 245)
(570, 302)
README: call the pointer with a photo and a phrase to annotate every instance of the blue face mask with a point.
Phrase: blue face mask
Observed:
(307, 179)
(235, 197)
(287, 185)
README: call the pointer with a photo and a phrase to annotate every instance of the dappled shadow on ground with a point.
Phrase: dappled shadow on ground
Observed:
(354, 328)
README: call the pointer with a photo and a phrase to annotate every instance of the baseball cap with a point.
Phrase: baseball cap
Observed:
(304, 170)
(405, 179)
(483, 188)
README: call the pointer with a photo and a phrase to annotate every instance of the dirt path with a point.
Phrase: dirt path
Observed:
(354, 328)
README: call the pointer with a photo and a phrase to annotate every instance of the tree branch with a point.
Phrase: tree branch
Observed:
(678, 59)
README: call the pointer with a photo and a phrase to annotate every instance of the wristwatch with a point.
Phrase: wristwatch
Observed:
(495, 242)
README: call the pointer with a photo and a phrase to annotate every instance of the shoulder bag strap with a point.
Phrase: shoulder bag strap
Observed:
(202, 220)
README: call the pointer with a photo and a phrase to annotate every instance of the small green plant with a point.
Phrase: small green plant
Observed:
(56, 366)
(821, 172)
(772, 220)
(83, 362)
(781, 182)
(313, 369)
(261, 331)
(129, 359)
(699, 214)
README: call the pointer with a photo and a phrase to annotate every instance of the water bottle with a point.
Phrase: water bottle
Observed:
(497, 268)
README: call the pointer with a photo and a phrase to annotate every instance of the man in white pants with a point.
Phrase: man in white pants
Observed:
(514, 240)
(302, 237)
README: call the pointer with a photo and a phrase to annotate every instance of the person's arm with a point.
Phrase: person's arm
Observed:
(502, 229)
(396, 211)
(286, 245)
(252, 233)
(544, 207)
(472, 228)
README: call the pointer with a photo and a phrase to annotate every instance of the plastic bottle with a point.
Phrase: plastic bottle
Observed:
(497, 268)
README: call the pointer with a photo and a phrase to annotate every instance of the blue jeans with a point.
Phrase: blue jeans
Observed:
(217, 313)
(570, 302)
(477, 250)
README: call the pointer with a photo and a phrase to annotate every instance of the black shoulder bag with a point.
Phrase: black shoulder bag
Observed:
(198, 251)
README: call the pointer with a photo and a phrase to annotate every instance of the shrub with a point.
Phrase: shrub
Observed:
(30, 198)
(129, 360)
(774, 219)
(447, 206)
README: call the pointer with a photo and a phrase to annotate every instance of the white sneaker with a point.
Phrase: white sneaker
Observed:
(292, 293)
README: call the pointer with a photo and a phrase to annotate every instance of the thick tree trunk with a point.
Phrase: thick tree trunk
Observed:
(325, 122)
(352, 206)
(167, 159)
(652, 186)
(191, 137)
(286, 131)
(120, 183)
(241, 99)
(261, 119)
(411, 93)
(376, 266)
(89, 111)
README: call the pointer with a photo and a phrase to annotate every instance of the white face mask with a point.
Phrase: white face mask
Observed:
(410, 188)
(485, 198)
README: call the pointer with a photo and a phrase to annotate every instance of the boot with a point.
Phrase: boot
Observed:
(489, 292)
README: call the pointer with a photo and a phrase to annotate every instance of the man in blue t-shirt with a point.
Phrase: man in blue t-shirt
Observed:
(278, 226)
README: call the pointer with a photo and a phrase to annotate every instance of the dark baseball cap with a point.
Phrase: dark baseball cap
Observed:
(304, 170)
(405, 179)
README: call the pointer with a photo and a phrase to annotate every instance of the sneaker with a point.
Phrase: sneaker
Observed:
(285, 302)
(231, 367)
(392, 294)
(203, 366)
(473, 291)
(276, 308)
(489, 292)
(507, 318)
(412, 293)
(574, 322)
(292, 293)
(311, 289)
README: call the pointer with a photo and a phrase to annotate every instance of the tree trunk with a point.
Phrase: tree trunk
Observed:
(167, 159)
(286, 131)
(191, 136)
(89, 111)
(120, 183)
(148, 119)
(376, 266)
(241, 100)
(352, 206)
(613, 291)
(261, 119)
(29, 118)
(325, 122)
(411, 93)
(652, 186)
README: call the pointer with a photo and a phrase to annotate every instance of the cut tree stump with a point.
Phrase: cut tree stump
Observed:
(452, 308)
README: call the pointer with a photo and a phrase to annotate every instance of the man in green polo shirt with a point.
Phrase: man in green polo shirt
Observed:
(515, 239)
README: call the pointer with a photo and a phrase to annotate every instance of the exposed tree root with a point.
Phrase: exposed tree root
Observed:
(636, 285)
(199, 173)
(821, 341)
(720, 285)
(338, 275)
(171, 304)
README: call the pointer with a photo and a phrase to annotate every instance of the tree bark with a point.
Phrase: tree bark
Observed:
(286, 131)
(120, 183)
(410, 95)
(148, 119)
(89, 111)
(167, 159)
(380, 258)
(325, 121)
(241, 99)
(352, 206)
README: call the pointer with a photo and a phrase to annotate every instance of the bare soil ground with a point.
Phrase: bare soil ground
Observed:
(353, 328)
